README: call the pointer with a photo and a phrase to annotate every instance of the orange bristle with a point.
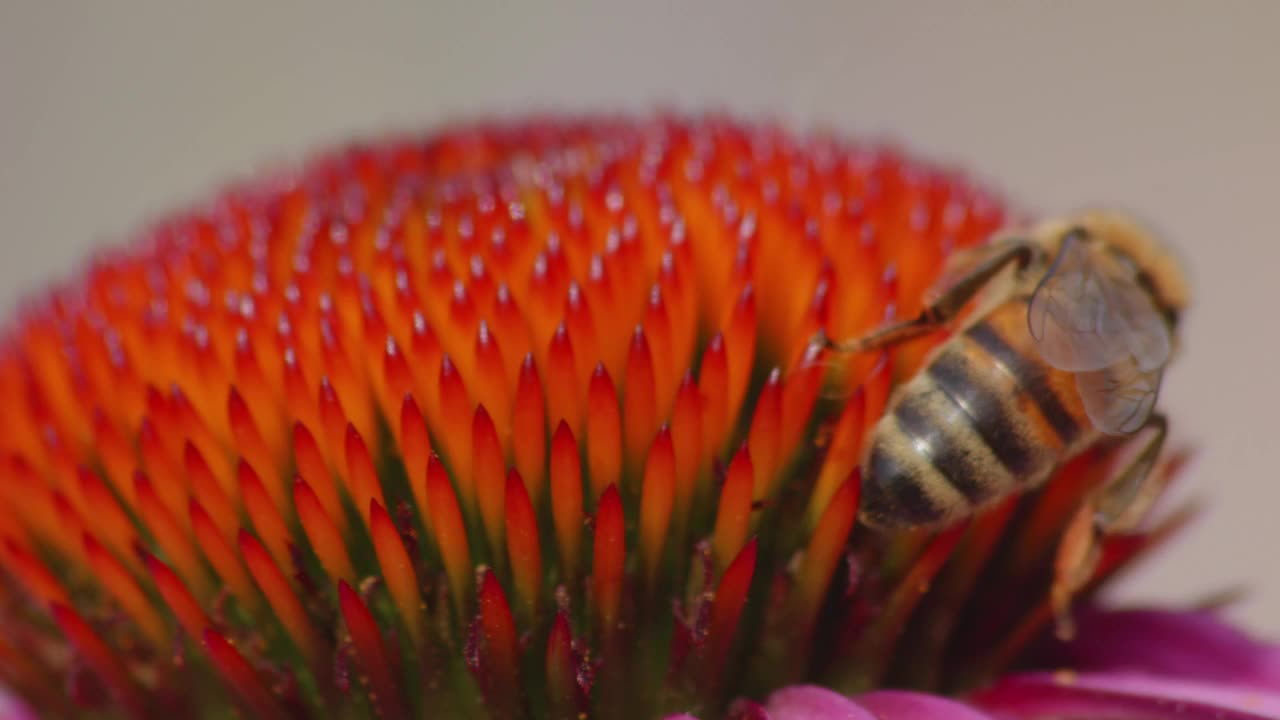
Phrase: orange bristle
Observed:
(727, 607)
(299, 399)
(581, 329)
(374, 659)
(450, 532)
(250, 446)
(184, 605)
(604, 433)
(824, 550)
(657, 494)
(334, 422)
(275, 588)
(415, 448)
(491, 383)
(363, 484)
(686, 438)
(612, 336)
(399, 379)
(562, 675)
(116, 457)
(608, 559)
(674, 277)
(33, 574)
(159, 465)
(210, 493)
(267, 521)
(375, 345)
(424, 348)
(397, 570)
(657, 330)
(639, 405)
(118, 581)
(499, 656)
(488, 478)
(40, 516)
(713, 387)
(158, 422)
(218, 550)
(564, 403)
(461, 325)
(844, 451)
(112, 523)
(566, 498)
(529, 441)
(454, 427)
(508, 327)
(69, 525)
(733, 516)
(174, 540)
(763, 438)
(740, 350)
(201, 436)
(326, 540)
(799, 395)
(523, 551)
(313, 470)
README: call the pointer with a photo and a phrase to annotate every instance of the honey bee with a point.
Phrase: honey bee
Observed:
(1067, 344)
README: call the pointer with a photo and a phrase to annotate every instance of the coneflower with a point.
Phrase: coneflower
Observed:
(523, 420)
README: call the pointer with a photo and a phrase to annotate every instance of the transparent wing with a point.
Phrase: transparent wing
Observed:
(1119, 399)
(1089, 313)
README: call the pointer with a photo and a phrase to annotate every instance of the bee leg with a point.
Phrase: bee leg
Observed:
(1118, 505)
(1124, 500)
(947, 306)
(1073, 567)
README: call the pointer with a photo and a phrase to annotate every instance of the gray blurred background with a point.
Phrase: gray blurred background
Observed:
(111, 112)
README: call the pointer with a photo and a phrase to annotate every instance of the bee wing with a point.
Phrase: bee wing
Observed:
(1118, 399)
(1089, 313)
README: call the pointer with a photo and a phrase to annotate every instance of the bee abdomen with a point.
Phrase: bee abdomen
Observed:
(987, 397)
(928, 463)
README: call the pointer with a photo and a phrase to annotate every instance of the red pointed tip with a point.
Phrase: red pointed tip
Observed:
(562, 684)
(609, 558)
(730, 599)
(248, 543)
(499, 651)
(733, 515)
(522, 542)
(100, 658)
(240, 676)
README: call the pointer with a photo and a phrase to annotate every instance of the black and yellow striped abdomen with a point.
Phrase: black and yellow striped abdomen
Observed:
(985, 417)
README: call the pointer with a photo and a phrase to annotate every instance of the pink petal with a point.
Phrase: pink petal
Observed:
(809, 702)
(11, 708)
(902, 705)
(1196, 645)
(1125, 696)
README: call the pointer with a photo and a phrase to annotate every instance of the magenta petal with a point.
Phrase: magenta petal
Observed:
(902, 705)
(808, 702)
(11, 708)
(1125, 696)
(1195, 645)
